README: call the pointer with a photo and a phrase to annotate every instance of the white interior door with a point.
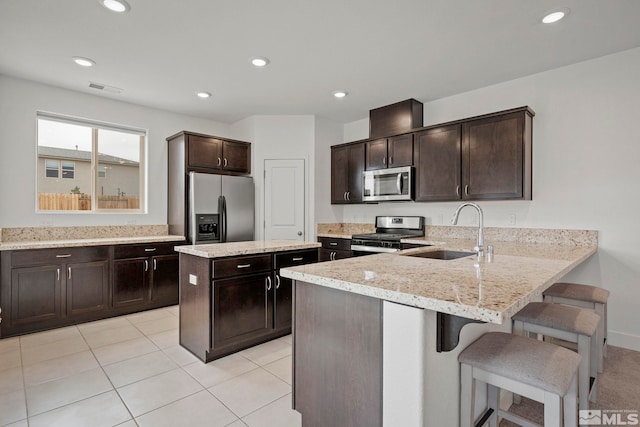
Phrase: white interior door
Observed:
(284, 189)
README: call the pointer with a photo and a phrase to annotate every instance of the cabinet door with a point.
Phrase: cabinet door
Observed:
(236, 157)
(164, 289)
(492, 161)
(400, 150)
(355, 167)
(36, 294)
(325, 255)
(242, 308)
(130, 282)
(339, 174)
(437, 154)
(376, 152)
(204, 152)
(283, 307)
(87, 287)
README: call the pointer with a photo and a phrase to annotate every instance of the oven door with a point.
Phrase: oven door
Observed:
(388, 184)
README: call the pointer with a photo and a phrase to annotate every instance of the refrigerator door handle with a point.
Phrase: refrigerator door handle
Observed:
(224, 219)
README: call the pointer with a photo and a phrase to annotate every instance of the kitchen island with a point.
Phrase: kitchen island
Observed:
(232, 296)
(376, 338)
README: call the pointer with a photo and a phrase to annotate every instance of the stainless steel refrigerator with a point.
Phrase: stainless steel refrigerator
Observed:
(221, 208)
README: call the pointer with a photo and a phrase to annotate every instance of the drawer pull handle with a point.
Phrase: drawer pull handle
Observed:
(155, 264)
(268, 282)
(149, 249)
(219, 161)
(63, 256)
(244, 265)
(225, 163)
(58, 274)
(300, 258)
(333, 243)
(277, 282)
(146, 265)
(69, 273)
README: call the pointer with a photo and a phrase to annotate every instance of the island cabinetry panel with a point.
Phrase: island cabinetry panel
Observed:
(283, 297)
(496, 159)
(145, 275)
(333, 249)
(347, 165)
(46, 288)
(389, 152)
(337, 345)
(242, 300)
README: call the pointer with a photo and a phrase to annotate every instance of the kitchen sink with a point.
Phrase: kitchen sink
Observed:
(443, 254)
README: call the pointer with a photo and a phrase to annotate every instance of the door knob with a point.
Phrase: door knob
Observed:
(299, 233)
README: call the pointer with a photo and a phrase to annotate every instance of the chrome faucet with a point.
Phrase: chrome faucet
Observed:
(479, 249)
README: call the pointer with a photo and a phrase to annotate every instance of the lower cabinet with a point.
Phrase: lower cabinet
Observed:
(229, 304)
(145, 275)
(48, 288)
(333, 249)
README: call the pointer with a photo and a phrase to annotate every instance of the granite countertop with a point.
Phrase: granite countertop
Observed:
(46, 244)
(487, 291)
(219, 250)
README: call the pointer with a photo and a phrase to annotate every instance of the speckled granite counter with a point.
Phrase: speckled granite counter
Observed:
(220, 250)
(343, 230)
(12, 239)
(486, 291)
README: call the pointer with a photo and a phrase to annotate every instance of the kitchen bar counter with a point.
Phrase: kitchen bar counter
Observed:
(220, 250)
(486, 291)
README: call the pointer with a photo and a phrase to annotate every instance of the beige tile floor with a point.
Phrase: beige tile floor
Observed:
(130, 371)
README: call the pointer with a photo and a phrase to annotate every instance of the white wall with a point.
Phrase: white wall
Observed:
(279, 137)
(586, 149)
(328, 133)
(19, 101)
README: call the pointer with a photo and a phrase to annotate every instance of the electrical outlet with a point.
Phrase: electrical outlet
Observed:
(512, 219)
(131, 222)
(46, 223)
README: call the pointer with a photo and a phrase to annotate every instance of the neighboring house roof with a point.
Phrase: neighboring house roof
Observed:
(65, 153)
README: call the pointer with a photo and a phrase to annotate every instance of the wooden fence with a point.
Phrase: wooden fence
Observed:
(82, 202)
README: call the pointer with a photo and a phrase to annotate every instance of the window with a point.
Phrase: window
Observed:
(89, 166)
(52, 168)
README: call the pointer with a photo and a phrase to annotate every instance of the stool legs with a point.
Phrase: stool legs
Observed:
(569, 403)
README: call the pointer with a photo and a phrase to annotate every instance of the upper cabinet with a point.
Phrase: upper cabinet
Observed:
(437, 155)
(205, 153)
(389, 152)
(482, 158)
(347, 165)
(496, 156)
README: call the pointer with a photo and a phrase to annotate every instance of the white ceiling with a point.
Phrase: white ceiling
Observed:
(380, 51)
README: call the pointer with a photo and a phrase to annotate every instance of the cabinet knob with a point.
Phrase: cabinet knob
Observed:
(146, 265)
(219, 161)
(458, 190)
(268, 283)
(348, 195)
(299, 233)
(466, 190)
(225, 163)
(277, 281)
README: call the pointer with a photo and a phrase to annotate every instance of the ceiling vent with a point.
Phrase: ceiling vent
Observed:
(106, 88)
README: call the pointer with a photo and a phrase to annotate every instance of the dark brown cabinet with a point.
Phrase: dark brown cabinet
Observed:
(145, 275)
(496, 157)
(347, 165)
(46, 288)
(333, 249)
(232, 303)
(284, 287)
(483, 158)
(206, 153)
(391, 152)
(437, 153)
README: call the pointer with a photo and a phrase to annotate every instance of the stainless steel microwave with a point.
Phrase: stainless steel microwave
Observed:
(388, 184)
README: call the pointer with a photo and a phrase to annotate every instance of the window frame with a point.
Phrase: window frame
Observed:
(95, 126)
(47, 168)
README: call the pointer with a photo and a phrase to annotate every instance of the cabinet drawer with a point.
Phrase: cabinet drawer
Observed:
(143, 250)
(58, 255)
(241, 265)
(290, 259)
(335, 244)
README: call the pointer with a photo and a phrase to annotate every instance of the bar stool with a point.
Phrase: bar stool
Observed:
(576, 325)
(584, 296)
(540, 371)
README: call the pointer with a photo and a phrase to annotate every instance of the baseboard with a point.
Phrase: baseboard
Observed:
(628, 341)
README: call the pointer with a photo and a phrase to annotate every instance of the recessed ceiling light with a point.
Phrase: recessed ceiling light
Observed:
(116, 5)
(340, 93)
(259, 61)
(554, 16)
(84, 62)
(203, 94)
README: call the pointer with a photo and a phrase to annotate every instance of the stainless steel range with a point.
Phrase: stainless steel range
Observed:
(389, 231)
